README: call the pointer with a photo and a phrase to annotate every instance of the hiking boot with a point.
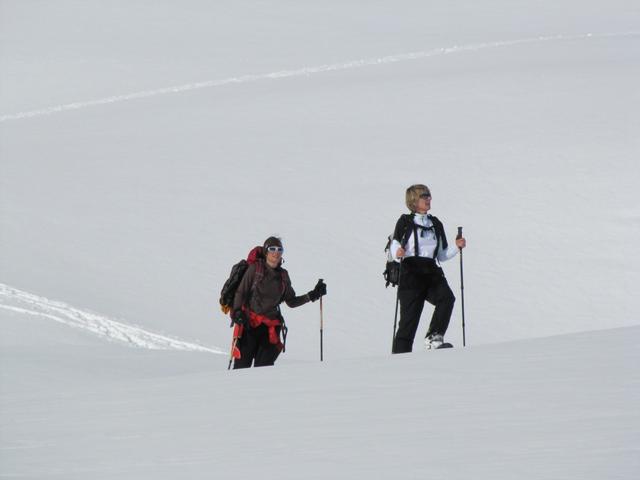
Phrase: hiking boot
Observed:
(433, 341)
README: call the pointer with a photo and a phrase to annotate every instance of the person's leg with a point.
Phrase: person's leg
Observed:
(267, 355)
(411, 305)
(248, 346)
(267, 352)
(440, 295)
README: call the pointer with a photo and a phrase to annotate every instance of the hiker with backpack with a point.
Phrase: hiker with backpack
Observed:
(419, 243)
(256, 315)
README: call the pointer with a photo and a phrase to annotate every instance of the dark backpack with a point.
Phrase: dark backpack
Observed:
(228, 292)
(392, 270)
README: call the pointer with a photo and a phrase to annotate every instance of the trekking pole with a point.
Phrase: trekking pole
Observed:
(464, 338)
(321, 328)
(233, 347)
(395, 317)
(235, 353)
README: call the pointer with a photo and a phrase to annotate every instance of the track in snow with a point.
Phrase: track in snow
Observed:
(15, 300)
(305, 71)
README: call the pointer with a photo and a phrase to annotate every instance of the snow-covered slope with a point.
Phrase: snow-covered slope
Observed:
(146, 146)
(556, 408)
(522, 120)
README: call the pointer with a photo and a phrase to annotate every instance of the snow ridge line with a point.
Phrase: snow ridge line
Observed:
(15, 300)
(305, 71)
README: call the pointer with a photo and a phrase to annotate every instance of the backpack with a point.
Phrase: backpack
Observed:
(392, 270)
(228, 292)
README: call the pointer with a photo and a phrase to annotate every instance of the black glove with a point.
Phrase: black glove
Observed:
(240, 317)
(319, 290)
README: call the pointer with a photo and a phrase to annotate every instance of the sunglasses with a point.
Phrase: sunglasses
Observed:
(274, 249)
(425, 195)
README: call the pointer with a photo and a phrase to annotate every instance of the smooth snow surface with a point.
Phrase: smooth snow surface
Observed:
(557, 408)
(145, 147)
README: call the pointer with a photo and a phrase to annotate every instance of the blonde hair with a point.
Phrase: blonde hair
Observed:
(413, 195)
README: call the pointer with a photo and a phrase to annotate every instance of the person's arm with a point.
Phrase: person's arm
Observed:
(452, 250)
(290, 297)
(293, 301)
(396, 248)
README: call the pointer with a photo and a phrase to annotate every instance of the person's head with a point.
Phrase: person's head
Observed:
(273, 251)
(418, 198)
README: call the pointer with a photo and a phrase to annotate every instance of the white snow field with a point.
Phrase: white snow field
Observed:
(147, 146)
(563, 407)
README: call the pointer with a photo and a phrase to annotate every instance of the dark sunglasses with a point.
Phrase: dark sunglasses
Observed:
(275, 249)
(425, 195)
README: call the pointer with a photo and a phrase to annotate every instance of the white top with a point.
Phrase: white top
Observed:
(427, 242)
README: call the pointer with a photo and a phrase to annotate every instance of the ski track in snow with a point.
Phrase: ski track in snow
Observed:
(18, 301)
(305, 71)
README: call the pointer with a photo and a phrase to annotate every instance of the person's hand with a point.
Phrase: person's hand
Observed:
(318, 291)
(400, 253)
(239, 317)
(461, 242)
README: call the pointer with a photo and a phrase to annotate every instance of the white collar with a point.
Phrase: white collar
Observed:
(423, 218)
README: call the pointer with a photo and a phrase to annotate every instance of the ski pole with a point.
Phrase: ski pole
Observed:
(395, 323)
(395, 317)
(233, 347)
(464, 338)
(235, 353)
(321, 328)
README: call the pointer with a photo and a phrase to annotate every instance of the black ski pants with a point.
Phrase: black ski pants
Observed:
(421, 280)
(256, 349)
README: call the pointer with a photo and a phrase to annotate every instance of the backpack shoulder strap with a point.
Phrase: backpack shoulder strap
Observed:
(259, 273)
(410, 227)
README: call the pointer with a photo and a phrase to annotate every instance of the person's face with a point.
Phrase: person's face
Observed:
(274, 255)
(424, 203)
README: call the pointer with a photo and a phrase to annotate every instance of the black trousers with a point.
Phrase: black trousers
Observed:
(256, 349)
(421, 280)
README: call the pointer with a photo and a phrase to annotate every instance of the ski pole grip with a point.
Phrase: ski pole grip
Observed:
(459, 233)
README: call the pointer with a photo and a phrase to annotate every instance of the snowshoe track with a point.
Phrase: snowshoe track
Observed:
(306, 71)
(15, 300)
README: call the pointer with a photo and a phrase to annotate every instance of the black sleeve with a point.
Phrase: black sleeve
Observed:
(440, 231)
(290, 297)
(402, 225)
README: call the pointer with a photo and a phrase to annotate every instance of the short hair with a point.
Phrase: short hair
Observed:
(413, 195)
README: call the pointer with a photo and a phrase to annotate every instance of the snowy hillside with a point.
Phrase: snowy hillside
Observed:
(555, 408)
(146, 146)
(122, 197)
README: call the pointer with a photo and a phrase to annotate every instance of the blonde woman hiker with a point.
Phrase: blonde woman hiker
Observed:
(420, 243)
